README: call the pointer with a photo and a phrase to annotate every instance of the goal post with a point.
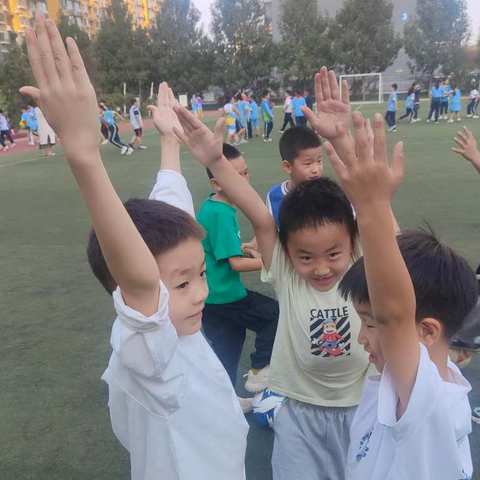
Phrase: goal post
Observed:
(364, 87)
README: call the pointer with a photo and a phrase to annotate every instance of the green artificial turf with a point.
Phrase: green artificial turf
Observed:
(55, 319)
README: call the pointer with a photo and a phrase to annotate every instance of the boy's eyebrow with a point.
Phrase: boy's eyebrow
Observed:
(187, 270)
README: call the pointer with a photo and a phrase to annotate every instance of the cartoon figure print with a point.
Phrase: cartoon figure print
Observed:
(330, 340)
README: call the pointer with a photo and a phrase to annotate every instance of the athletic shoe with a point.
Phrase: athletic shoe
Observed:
(246, 404)
(428, 120)
(393, 129)
(32, 144)
(51, 154)
(459, 119)
(451, 120)
(269, 140)
(13, 145)
(105, 142)
(129, 151)
(142, 147)
(243, 141)
(257, 382)
(469, 115)
(476, 116)
(123, 151)
(476, 415)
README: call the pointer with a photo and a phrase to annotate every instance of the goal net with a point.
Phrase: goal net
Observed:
(364, 87)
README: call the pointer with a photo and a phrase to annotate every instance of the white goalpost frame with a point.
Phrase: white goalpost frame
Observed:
(360, 75)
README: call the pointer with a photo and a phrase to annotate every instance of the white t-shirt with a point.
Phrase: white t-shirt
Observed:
(135, 117)
(287, 105)
(172, 405)
(429, 442)
(316, 358)
(3, 123)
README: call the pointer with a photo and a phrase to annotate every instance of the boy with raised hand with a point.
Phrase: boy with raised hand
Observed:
(412, 293)
(170, 398)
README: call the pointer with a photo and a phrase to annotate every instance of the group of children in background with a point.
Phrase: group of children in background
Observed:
(365, 312)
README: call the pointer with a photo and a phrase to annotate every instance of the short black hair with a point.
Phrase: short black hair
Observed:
(315, 203)
(445, 286)
(296, 139)
(395, 86)
(230, 153)
(162, 227)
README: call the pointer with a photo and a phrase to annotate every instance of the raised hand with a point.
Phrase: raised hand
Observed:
(164, 118)
(365, 173)
(64, 94)
(467, 147)
(333, 112)
(206, 146)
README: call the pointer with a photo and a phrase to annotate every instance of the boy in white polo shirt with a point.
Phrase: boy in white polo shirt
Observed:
(171, 403)
(412, 294)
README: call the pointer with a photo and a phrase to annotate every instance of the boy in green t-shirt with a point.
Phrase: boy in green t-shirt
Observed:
(230, 308)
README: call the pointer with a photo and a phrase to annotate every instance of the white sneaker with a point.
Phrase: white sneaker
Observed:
(476, 116)
(123, 151)
(246, 404)
(428, 120)
(459, 119)
(129, 151)
(105, 142)
(257, 382)
(451, 120)
(13, 145)
(469, 115)
(142, 147)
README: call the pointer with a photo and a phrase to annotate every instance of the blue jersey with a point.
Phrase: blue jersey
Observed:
(31, 119)
(410, 101)
(392, 102)
(437, 92)
(297, 104)
(455, 102)
(275, 198)
(242, 109)
(253, 110)
(108, 116)
(266, 110)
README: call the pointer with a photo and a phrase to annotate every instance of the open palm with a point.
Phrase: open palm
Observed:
(164, 117)
(333, 109)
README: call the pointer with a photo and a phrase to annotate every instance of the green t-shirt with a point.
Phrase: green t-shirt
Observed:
(222, 241)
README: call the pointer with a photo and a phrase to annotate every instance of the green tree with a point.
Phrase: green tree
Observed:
(16, 72)
(123, 54)
(436, 35)
(363, 38)
(305, 45)
(181, 52)
(244, 51)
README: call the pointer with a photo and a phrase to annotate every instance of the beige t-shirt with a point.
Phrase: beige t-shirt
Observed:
(316, 358)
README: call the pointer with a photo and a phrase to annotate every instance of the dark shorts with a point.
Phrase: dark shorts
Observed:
(138, 132)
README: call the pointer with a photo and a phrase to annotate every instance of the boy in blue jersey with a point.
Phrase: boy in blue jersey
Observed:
(436, 95)
(254, 119)
(298, 101)
(444, 100)
(391, 114)
(302, 160)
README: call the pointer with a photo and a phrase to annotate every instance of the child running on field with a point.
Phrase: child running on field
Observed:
(170, 399)
(316, 362)
(412, 294)
(455, 103)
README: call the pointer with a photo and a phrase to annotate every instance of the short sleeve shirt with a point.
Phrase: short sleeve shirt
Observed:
(316, 358)
(430, 440)
(222, 241)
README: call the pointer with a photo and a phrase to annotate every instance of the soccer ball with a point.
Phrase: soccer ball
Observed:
(265, 406)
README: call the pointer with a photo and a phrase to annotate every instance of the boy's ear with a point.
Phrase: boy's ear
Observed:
(430, 331)
(286, 167)
(215, 186)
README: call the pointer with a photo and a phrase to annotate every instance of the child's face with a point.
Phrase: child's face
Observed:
(321, 255)
(368, 335)
(182, 270)
(240, 165)
(307, 165)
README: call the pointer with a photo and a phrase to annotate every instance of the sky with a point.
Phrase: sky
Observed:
(473, 7)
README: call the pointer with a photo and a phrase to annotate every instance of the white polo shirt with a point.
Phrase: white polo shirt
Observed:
(429, 442)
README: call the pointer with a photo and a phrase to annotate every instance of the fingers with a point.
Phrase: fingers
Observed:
(325, 84)
(162, 98)
(332, 81)
(78, 70)
(188, 121)
(219, 127)
(460, 141)
(345, 92)
(460, 151)
(379, 142)
(311, 117)
(181, 136)
(398, 163)
(45, 49)
(35, 59)
(62, 61)
(336, 162)
(360, 133)
(152, 109)
(31, 92)
(172, 101)
(318, 87)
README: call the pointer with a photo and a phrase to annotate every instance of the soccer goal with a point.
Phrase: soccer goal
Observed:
(364, 87)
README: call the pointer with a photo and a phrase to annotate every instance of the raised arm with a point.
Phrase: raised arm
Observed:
(165, 119)
(206, 147)
(467, 147)
(370, 183)
(64, 87)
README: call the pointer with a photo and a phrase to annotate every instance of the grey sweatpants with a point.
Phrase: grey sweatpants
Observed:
(311, 442)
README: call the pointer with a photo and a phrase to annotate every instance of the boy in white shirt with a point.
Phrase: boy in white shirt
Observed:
(136, 121)
(171, 402)
(412, 294)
